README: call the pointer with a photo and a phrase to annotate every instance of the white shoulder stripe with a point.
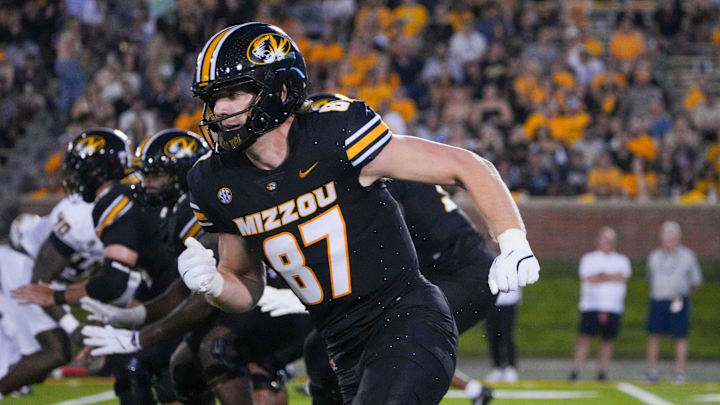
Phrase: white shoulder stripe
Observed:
(187, 227)
(107, 211)
(360, 132)
(206, 223)
(370, 151)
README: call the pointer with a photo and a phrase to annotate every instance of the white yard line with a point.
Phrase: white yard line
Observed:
(706, 398)
(531, 394)
(642, 395)
(91, 399)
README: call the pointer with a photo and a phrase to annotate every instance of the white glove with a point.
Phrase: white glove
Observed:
(280, 302)
(112, 315)
(197, 267)
(108, 340)
(516, 266)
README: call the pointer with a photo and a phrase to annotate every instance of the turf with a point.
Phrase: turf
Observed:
(56, 391)
(548, 316)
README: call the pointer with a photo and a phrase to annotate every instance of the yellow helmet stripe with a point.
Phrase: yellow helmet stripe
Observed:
(205, 72)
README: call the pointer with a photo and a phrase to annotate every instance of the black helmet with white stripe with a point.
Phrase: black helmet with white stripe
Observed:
(256, 58)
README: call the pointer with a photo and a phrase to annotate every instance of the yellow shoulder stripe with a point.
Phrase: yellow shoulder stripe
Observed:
(111, 216)
(200, 216)
(366, 140)
(193, 231)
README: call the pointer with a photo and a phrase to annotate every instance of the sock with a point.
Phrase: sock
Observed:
(473, 388)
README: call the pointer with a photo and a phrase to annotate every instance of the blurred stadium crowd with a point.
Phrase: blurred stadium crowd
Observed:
(589, 99)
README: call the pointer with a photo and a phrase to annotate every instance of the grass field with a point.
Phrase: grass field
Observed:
(79, 391)
(548, 316)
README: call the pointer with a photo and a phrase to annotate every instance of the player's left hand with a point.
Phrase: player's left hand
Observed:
(109, 340)
(516, 266)
(280, 301)
(40, 294)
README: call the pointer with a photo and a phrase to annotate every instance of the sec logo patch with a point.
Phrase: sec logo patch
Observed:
(224, 195)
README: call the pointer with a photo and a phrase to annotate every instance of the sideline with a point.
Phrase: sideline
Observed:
(531, 394)
(641, 395)
(91, 399)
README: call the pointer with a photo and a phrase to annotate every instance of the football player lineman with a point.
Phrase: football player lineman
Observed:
(300, 190)
(59, 248)
(267, 343)
(96, 166)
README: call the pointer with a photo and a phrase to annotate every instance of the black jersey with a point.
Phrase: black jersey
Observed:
(343, 248)
(177, 223)
(121, 216)
(436, 225)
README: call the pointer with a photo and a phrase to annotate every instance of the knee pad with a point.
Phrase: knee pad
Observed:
(190, 384)
(132, 381)
(230, 363)
(325, 394)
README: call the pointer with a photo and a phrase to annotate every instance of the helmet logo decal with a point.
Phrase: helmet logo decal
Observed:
(89, 145)
(224, 195)
(268, 48)
(181, 147)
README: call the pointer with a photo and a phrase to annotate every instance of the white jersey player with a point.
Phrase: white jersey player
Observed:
(70, 232)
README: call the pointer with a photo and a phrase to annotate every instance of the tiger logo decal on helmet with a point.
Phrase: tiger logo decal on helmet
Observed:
(268, 48)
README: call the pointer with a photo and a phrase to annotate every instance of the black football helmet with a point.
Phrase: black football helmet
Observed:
(171, 151)
(257, 58)
(94, 157)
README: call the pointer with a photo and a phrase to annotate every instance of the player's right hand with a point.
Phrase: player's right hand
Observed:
(280, 301)
(198, 269)
(112, 315)
(108, 340)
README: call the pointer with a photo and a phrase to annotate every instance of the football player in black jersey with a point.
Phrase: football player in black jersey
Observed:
(452, 255)
(300, 190)
(96, 165)
(255, 338)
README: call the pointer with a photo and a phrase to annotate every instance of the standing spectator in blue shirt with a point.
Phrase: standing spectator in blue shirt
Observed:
(673, 274)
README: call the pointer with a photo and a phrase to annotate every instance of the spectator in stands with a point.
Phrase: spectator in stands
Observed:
(500, 329)
(604, 274)
(467, 45)
(706, 114)
(627, 43)
(605, 178)
(673, 274)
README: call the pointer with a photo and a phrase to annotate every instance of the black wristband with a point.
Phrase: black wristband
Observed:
(59, 297)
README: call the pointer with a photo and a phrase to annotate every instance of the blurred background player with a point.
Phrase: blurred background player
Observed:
(241, 357)
(673, 274)
(500, 329)
(604, 274)
(97, 163)
(59, 249)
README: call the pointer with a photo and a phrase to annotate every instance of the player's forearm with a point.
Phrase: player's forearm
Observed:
(240, 292)
(48, 264)
(171, 298)
(74, 292)
(489, 193)
(191, 312)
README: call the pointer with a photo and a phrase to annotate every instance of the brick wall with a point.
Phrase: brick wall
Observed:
(566, 230)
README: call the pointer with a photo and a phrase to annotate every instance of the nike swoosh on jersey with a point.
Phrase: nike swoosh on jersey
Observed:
(302, 174)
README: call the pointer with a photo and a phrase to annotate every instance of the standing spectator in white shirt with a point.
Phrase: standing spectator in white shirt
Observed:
(604, 274)
(673, 274)
(499, 326)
